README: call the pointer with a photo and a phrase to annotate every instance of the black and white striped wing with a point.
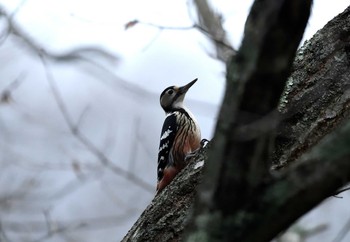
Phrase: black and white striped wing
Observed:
(167, 138)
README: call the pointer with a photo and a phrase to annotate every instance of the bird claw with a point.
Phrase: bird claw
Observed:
(203, 144)
(190, 155)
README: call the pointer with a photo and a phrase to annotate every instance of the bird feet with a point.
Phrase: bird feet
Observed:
(203, 144)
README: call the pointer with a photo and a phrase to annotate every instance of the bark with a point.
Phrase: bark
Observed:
(166, 217)
(317, 95)
(255, 205)
(256, 78)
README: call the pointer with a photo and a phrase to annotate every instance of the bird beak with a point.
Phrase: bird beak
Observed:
(184, 89)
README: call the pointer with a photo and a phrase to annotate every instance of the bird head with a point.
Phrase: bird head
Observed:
(172, 97)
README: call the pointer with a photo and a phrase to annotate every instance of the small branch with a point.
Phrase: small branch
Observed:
(211, 24)
(48, 220)
(86, 142)
(3, 236)
(221, 44)
(62, 226)
(71, 55)
(17, 9)
(6, 94)
(71, 224)
(340, 191)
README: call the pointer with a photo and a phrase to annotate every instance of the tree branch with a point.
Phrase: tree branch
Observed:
(86, 142)
(316, 100)
(256, 78)
(33, 45)
(166, 217)
(210, 23)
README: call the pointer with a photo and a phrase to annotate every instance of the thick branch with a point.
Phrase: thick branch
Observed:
(287, 197)
(256, 78)
(166, 217)
(317, 94)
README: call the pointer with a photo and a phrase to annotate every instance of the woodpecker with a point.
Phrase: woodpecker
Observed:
(180, 134)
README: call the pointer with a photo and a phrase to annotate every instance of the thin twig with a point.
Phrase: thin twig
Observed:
(71, 55)
(73, 225)
(218, 41)
(3, 236)
(340, 191)
(5, 95)
(86, 142)
(37, 226)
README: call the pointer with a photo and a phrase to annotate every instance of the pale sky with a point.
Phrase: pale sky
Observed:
(125, 124)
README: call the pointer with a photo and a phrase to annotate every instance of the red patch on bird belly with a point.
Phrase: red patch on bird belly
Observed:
(168, 176)
(190, 144)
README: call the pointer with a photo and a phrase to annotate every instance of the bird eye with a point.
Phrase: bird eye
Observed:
(170, 91)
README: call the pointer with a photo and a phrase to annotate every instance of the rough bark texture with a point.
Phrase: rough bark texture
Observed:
(256, 79)
(165, 218)
(315, 103)
(317, 95)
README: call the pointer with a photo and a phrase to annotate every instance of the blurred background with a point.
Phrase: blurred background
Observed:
(80, 118)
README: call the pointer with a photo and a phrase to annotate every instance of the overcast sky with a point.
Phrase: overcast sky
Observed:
(123, 116)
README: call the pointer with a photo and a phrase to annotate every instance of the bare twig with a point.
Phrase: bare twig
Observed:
(86, 142)
(4, 33)
(3, 236)
(220, 43)
(210, 23)
(48, 222)
(155, 37)
(340, 191)
(71, 55)
(17, 9)
(61, 226)
(5, 95)
(82, 116)
(87, 223)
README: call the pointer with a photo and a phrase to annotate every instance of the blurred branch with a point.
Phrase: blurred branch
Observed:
(5, 95)
(211, 23)
(61, 226)
(300, 233)
(314, 231)
(19, 7)
(223, 49)
(85, 141)
(70, 187)
(71, 55)
(341, 191)
(109, 77)
(3, 236)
